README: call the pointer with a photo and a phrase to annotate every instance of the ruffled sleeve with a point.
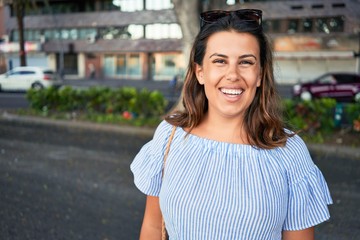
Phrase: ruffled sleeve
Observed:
(308, 195)
(147, 164)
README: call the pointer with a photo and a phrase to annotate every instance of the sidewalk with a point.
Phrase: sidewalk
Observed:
(344, 151)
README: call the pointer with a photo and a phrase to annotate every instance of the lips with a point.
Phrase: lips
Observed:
(232, 91)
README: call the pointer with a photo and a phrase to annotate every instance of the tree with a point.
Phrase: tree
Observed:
(187, 13)
(19, 10)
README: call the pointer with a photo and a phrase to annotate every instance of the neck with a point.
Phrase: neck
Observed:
(222, 129)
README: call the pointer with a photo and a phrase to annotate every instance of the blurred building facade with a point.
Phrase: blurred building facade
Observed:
(141, 39)
(101, 38)
(311, 37)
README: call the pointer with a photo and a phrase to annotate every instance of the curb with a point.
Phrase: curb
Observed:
(343, 151)
(143, 131)
(337, 150)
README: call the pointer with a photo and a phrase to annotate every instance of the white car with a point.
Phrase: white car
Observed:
(24, 78)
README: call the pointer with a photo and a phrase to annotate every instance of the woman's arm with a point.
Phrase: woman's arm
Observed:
(151, 226)
(306, 234)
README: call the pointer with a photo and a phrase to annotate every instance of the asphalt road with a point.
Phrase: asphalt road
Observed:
(67, 183)
(64, 182)
(16, 100)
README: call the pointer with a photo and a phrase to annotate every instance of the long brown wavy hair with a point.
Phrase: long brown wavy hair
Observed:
(263, 119)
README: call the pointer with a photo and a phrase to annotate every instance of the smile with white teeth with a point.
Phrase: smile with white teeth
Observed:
(231, 91)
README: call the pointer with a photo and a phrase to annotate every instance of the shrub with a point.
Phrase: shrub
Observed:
(101, 104)
(315, 119)
(352, 111)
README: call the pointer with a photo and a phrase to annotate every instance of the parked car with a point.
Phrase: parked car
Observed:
(24, 78)
(344, 87)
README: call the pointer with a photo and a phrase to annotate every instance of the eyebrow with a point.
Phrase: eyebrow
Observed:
(224, 56)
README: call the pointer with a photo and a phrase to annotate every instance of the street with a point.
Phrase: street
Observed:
(73, 182)
(66, 183)
(14, 100)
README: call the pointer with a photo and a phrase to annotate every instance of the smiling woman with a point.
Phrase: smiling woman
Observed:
(233, 171)
(230, 74)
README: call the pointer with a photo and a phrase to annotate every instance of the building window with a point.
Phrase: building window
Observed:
(123, 66)
(161, 31)
(307, 25)
(167, 65)
(317, 6)
(159, 4)
(293, 25)
(85, 33)
(29, 35)
(109, 5)
(272, 26)
(136, 31)
(129, 5)
(134, 67)
(322, 25)
(138, 5)
(336, 24)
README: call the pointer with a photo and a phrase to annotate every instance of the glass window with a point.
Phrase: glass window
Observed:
(114, 33)
(109, 65)
(14, 36)
(175, 31)
(129, 5)
(159, 4)
(136, 31)
(84, 33)
(322, 26)
(134, 68)
(293, 26)
(27, 72)
(12, 73)
(161, 31)
(328, 79)
(272, 26)
(73, 33)
(52, 34)
(65, 34)
(121, 65)
(307, 25)
(336, 24)
(166, 65)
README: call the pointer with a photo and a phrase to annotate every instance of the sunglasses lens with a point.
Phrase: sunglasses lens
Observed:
(249, 15)
(243, 14)
(212, 16)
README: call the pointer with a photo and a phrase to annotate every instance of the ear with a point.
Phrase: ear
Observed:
(199, 74)
(258, 83)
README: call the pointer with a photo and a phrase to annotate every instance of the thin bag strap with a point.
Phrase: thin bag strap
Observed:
(168, 148)
(163, 229)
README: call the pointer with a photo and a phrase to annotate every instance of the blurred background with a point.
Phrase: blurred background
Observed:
(70, 178)
(149, 39)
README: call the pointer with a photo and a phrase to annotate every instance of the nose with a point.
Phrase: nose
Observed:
(232, 73)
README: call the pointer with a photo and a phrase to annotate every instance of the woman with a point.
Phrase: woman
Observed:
(233, 170)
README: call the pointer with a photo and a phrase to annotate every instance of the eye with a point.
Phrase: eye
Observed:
(219, 60)
(246, 62)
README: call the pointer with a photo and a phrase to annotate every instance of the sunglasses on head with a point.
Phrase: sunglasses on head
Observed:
(253, 15)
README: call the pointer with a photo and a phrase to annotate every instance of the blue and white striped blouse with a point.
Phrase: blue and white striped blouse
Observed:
(216, 190)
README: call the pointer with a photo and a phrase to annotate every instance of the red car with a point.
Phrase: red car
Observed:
(344, 87)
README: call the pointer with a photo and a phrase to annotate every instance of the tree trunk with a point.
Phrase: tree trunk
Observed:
(19, 7)
(187, 13)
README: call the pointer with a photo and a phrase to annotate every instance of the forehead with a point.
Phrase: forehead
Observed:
(232, 42)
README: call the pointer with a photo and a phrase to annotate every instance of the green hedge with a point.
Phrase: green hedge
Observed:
(318, 118)
(101, 104)
(315, 119)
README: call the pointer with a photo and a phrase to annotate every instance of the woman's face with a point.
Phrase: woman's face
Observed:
(230, 73)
